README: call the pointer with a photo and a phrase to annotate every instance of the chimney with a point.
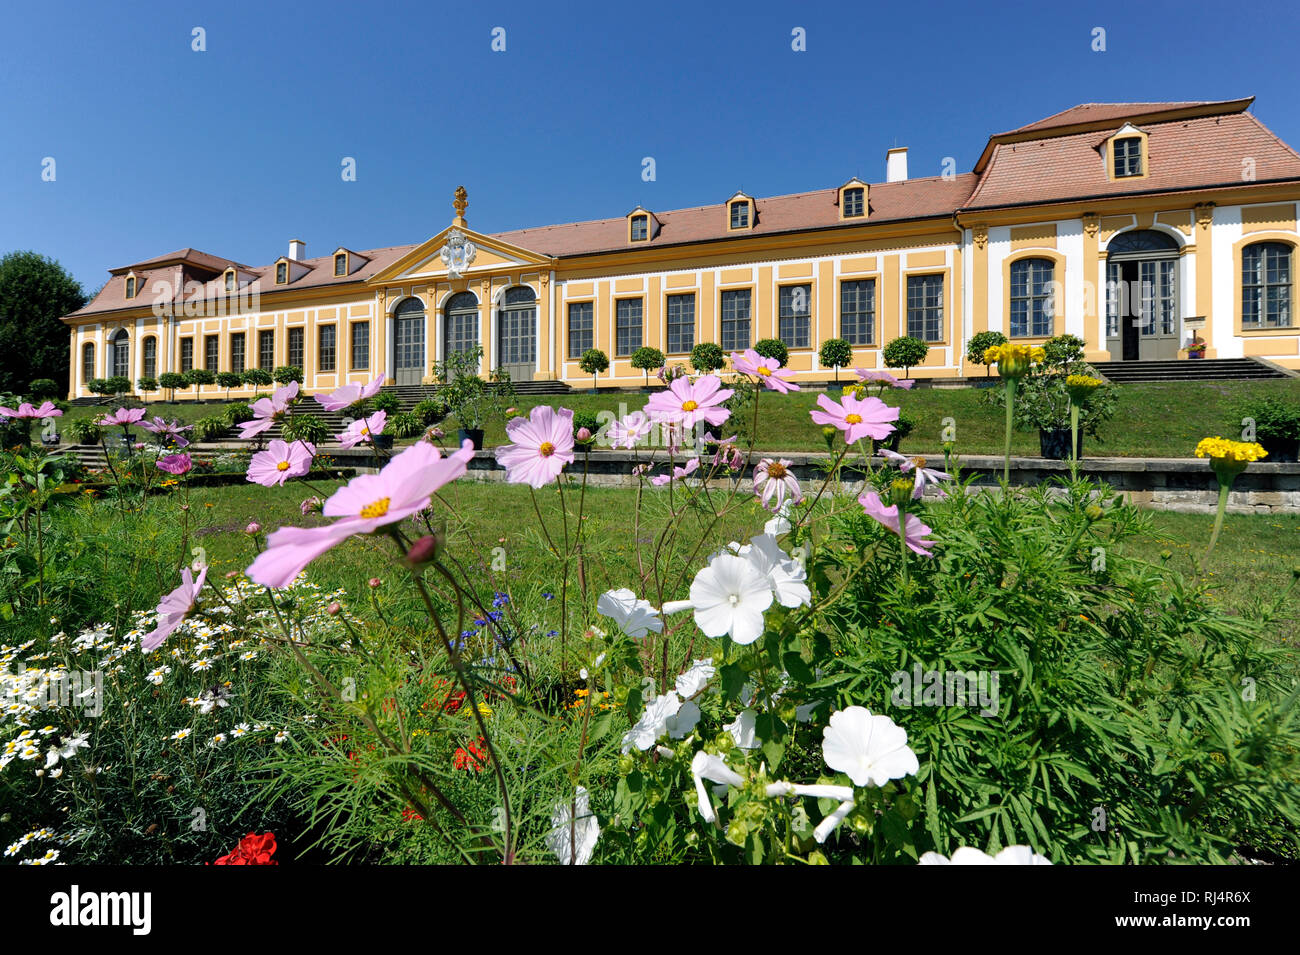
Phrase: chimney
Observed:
(896, 164)
(298, 248)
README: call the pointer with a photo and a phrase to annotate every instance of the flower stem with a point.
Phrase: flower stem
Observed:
(1218, 520)
(1011, 410)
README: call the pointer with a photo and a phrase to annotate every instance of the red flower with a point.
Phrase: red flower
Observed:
(475, 758)
(252, 850)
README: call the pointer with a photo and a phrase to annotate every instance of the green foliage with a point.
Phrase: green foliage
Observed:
(404, 424)
(118, 384)
(42, 388)
(904, 426)
(647, 358)
(99, 386)
(431, 410)
(283, 374)
(1063, 351)
(200, 376)
(239, 412)
(981, 342)
(84, 430)
(773, 348)
(35, 292)
(305, 427)
(146, 384)
(707, 357)
(1274, 417)
(594, 361)
(585, 419)
(212, 428)
(904, 352)
(387, 402)
(229, 379)
(1043, 401)
(172, 381)
(258, 377)
(469, 399)
(835, 353)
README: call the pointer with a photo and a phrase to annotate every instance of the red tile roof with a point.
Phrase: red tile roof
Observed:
(1106, 112)
(1193, 153)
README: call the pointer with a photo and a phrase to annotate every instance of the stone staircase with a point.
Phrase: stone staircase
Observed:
(1205, 369)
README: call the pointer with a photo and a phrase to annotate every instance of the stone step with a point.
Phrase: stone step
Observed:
(1214, 369)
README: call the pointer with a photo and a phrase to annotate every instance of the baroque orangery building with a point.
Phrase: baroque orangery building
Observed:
(1133, 226)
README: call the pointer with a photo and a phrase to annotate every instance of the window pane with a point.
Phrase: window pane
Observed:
(237, 352)
(151, 357)
(266, 350)
(681, 323)
(627, 326)
(581, 328)
(925, 307)
(87, 362)
(325, 354)
(211, 351)
(360, 345)
(187, 354)
(858, 312)
(735, 320)
(852, 203)
(1032, 303)
(794, 311)
(295, 346)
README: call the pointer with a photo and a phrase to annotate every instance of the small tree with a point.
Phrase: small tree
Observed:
(119, 384)
(593, 362)
(773, 348)
(707, 357)
(258, 377)
(835, 353)
(146, 384)
(287, 373)
(1063, 351)
(646, 358)
(905, 352)
(200, 377)
(43, 388)
(99, 386)
(228, 380)
(979, 344)
(171, 380)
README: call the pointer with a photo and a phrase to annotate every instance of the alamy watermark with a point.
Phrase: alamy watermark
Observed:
(919, 687)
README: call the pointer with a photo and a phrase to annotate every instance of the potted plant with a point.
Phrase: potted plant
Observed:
(1043, 403)
(468, 398)
(1196, 347)
(1275, 423)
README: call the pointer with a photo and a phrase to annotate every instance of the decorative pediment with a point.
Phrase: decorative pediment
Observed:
(456, 252)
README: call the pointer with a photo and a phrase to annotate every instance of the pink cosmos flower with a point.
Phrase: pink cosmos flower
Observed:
(766, 370)
(27, 411)
(177, 464)
(267, 410)
(686, 402)
(349, 395)
(924, 475)
(914, 531)
(122, 416)
(691, 467)
(404, 487)
(174, 607)
(774, 478)
(359, 431)
(168, 429)
(857, 417)
(629, 431)
(542, 444)
(885, 378)
(281, 461)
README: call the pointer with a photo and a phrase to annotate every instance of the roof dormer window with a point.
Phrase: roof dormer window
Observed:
(281, 273)
(640, 228)
(740, 214)
(853, 199)
(230, 280)
(341, 263)
(132, 286)
(1128, 157)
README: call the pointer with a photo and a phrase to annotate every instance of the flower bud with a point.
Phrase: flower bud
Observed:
(334, 609)
(1094, 512)
(583, 435)
(375, 581)
(900, 491)
(253, 528)
(626, 764)
(423, 550)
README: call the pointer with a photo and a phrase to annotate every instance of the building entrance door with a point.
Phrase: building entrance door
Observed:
(517, 333)
(1142, 321)
(408, 342)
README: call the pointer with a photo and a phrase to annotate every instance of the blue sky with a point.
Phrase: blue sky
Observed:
(238, 149)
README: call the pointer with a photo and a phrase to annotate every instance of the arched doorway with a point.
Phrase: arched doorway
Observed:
(517, 333)
(1142, 311)
(119, 354)
(408, 342)
(460, 324)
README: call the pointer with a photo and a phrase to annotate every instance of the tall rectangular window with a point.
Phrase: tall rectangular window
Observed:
(735, 319)
(925, 307)
(1266, 285)
(187, 354)
(681, 323)
(627, 326)
(87, 362)
(151, 357)
(581, 328)
(325, 354)
(1128, 157)
(1032, 306)
(858, 312)
(360, 346)
(266, 350)
(794, 311)
(237, 351)
(211, 352)
(295, 346)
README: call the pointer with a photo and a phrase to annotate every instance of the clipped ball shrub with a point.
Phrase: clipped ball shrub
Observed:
(773, 348)
(905, 352)
(707, 357)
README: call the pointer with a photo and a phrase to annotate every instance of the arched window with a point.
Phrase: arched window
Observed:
(1266, 285)
(460, 328)
(87, 362)
(517, 331)
(1032, 301)
(119, 354)
(408, 342)
(151, 357)
(1140, 241)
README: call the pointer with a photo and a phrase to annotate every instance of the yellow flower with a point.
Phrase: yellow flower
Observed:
(1222, 448)
(1080, 386)
(1013, 361)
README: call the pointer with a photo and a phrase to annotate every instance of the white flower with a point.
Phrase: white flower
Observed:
(780, 524)
(705, 766)
(653, 723)
(574, 830)
(729, 597)
(742, 730)
(1011, 855)
(281, 736)
(157, 676)
(634, 617)
(67, 750)
(681, 723)
(181, 734)
(871, 750)
(785, 575)
(696, 678)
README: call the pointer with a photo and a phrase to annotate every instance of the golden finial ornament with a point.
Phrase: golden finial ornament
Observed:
(460, 204)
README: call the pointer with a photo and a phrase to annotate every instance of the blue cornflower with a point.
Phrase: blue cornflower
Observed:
(469, 634)
(480, 622)
(548, 595)
(500, 599)
(552, 633)
(495, 615)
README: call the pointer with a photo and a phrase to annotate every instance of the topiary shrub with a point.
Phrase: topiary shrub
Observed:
(593, 362)
(287, 373)
(172, 380)
(200, 376)
(905, 352)
(99, 386)
(239, 412)
(119, 385)
(258, 377)
(980, 343)
(84, 430)
(773, 348)
(145, 384)
(707, 357)
(585, 419)
(1063, 351)
(647, 358)
(835, 353)
(228, 380)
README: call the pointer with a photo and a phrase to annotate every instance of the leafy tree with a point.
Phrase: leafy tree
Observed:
(146, 384)
(593, 362)
(979, 344)
(287, 373)
(905, 352)
(42, 388)
(835, 353)
(1062, 351)
(228, 380)
(200, 376)
(646, 358)
(119, 385)
(35, 292)
(773, 348)
(99, 386)
(707, 357)
(258, 377)
(171, 380)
